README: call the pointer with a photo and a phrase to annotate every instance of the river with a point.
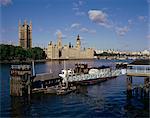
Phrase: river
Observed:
(107, 99)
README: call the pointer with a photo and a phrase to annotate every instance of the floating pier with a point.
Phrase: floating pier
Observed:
(45, 80)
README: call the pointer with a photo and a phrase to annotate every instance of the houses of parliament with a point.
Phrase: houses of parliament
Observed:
(58, 51)
(54, 51)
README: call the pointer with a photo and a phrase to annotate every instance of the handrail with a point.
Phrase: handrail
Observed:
(138, 65)
(20, 67)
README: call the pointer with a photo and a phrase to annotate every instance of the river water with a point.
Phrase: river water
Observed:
(107, 99)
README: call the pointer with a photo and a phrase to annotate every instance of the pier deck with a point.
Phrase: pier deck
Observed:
(138, 70)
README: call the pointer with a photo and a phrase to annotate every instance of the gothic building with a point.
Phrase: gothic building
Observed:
(59, 51)
(25, 35)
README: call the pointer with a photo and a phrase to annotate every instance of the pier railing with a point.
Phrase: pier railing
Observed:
(103, 73)
(138, 70)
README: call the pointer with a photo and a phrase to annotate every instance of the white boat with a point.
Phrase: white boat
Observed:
(92, 77)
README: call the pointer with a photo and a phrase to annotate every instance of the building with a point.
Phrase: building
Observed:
(25, 35)
(58, 51)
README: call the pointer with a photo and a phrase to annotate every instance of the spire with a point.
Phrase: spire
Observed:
(25, 22)
(59, 43)
(78, 42)
(30, 25)
(78, 37)
(51, 43)
(59, 35)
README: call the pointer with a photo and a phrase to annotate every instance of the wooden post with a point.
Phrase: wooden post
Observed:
(20, 80)
(146, 87)
(129, 86)
(29, 90)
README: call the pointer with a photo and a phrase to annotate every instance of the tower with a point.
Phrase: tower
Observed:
(25, 35)
(59, 42)
(78, 42)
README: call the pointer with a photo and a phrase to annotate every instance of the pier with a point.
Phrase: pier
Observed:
(20, 82)
(23, 80)
(141, 90)
(45, 80)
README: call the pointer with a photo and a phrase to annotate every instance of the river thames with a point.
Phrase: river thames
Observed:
(107, 99)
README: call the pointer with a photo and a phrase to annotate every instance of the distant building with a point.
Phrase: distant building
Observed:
(25, 35)
(59, 51)
(145, 52)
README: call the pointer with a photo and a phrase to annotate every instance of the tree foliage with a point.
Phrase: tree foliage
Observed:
(106, 54)
(10, 52)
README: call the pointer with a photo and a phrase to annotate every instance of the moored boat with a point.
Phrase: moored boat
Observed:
(88, 76)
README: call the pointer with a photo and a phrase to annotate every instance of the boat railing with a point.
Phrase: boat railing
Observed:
(106, 73)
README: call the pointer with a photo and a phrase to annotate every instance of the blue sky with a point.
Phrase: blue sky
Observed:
(102, 24)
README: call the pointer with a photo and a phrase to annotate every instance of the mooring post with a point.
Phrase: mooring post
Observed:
(129, 86)
(29, 90)
(146, 87)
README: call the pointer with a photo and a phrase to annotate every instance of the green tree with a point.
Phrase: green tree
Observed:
(9, 52)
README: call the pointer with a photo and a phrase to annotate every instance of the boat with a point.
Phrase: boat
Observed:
(87, 76)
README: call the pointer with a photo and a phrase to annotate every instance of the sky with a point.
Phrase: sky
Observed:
(101, 24)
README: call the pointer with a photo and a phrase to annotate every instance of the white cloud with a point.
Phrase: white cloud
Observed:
(98, 16)
(78, 4)
(101, 18)
(79, 27)
(5, 2)
(84, 29)
(87, 30)
(60, 34)
(142, 18)
(76, 7)
(130, 21)
(121, 31)
(80, 13)
(75, 25)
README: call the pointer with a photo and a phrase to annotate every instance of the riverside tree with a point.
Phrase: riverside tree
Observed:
(10, 52)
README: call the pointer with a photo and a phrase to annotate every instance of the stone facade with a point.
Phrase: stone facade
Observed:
(25, 35)
(59, 51)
